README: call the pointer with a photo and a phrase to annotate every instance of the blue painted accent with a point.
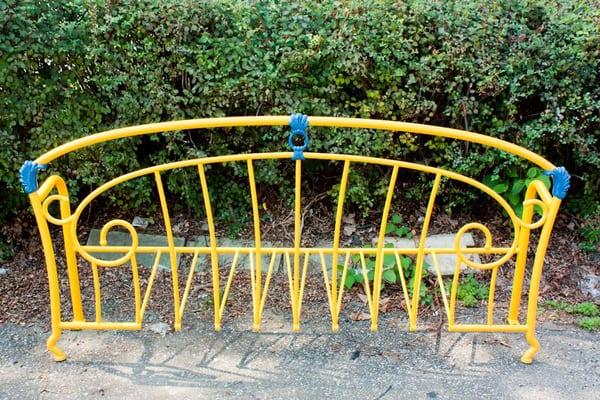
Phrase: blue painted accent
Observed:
(561, 181)
(298, 125)
(28, 174)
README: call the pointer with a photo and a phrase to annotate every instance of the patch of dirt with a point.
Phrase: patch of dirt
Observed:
(24, 289)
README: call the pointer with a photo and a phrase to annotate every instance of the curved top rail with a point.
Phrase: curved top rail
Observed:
(339, 122)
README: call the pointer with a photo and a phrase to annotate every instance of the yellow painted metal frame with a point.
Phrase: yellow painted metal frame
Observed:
(296, 258)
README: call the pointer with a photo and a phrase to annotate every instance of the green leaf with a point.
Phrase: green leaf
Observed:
(390, 228)
(370, 263)
(519, 210)
(403, 231)
(546, 180)
(538, 210)
(406, 262)
(358, 277)
(396, 219)
(514, 199)
(389, 275)
(487, 180)
(349, 281)
(500, 188)
(518, 186)
(533, 172)
(389, 260)
(371, 275)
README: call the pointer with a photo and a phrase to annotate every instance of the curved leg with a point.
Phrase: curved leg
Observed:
(534, 347)
(57, 353)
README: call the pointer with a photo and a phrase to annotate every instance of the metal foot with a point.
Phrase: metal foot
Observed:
(57, 353)
(534, 347)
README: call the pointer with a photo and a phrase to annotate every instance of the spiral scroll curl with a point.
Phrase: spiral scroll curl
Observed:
(103, 233)
(103, 242)
(488, 245)
(541, 220)
(62, 200)
(519, 225)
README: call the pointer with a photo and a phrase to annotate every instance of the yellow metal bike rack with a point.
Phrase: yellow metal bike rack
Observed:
(54, 189)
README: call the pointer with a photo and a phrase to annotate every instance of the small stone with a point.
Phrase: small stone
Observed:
(139, 222)
(4, 271)
(590, 286)
(160, 327)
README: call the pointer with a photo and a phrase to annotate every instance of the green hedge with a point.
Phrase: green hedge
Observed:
(525, 71)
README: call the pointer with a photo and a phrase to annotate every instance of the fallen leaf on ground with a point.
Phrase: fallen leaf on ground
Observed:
(384, 304)
(360, 316)
(363, 298)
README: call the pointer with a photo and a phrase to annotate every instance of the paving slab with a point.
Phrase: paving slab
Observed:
(355, 363)
(314, 262)
(226, 259)
(399, 243)
(118, 238)
(447, 262)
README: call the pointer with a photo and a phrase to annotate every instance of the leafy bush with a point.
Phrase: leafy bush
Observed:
(397, 227)
(589, 311)
(513, 185)
(390, 275)
(470, 291)
(590, 323)
(587, 308)
(590, 235)
(527, 72)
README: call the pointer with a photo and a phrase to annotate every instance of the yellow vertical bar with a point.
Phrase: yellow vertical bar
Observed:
(255, 299)
(214, 257)
(453, 291)
(263, 297)
(336, 237)
(363, 264)
(150, 283)
(534, 285)
(519, 274)
(379, 258)
(53, 287)
(97, 294)
(171, 244)
(327, 287)
(256, 216)
(338, 305)
(228, 284)
(403, 282)
(441, 283)
(297, 239)
(490, 311)
(420, 255)
(288, 265)
(71, 259)
(136, 290)
(302, 283)
(188, 284)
